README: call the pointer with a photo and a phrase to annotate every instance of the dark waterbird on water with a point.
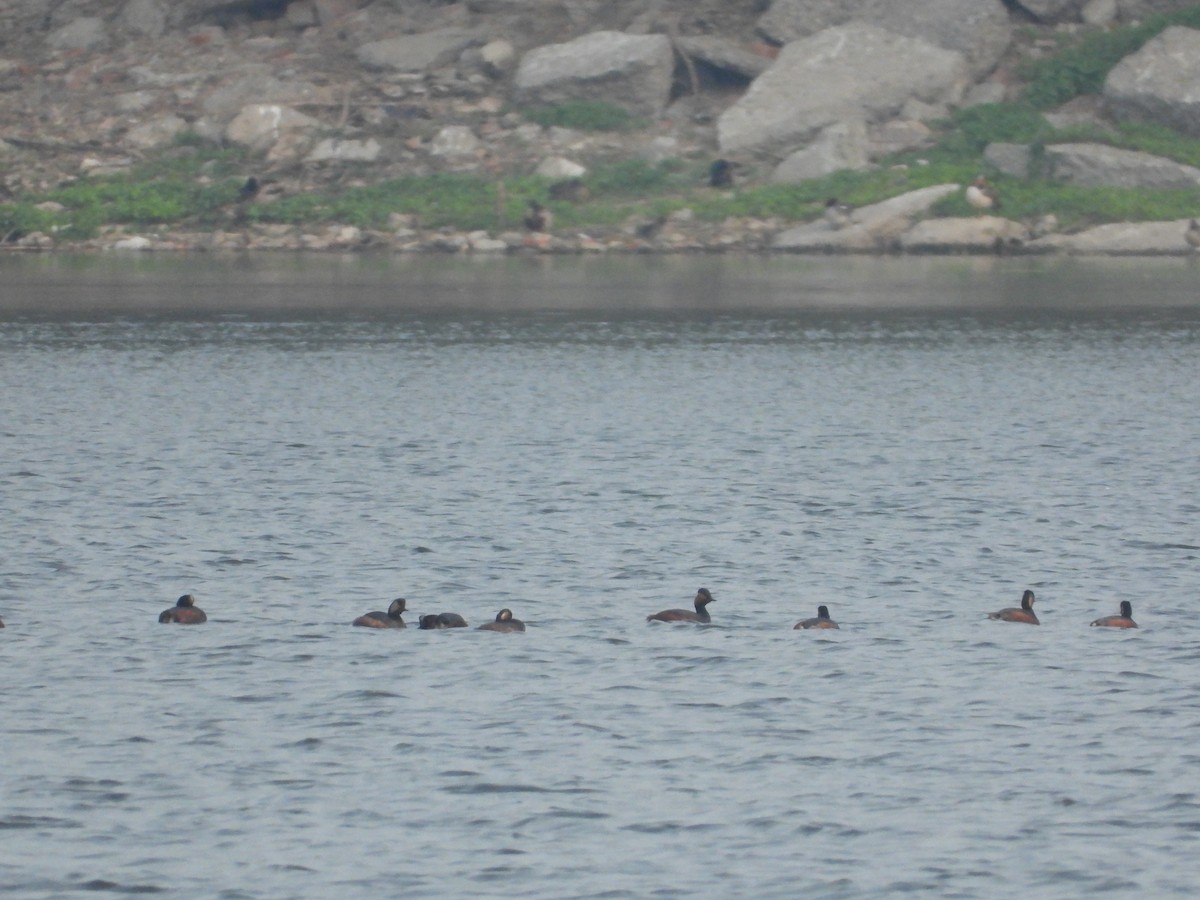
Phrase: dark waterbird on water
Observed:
(821, 620)
(185, 612)
(442, 620)
(504, 622)
(1024, 614)
(703, 598)
(1123, 620)
(389, 619)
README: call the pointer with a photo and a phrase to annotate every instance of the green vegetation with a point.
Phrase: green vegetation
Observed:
(584, 115)
(1082, 66)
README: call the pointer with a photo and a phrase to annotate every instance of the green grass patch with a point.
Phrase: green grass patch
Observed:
(584, 115)
(1079, 207)
(1081, 67)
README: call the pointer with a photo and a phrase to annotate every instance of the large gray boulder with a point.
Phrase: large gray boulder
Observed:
(978, 29)
(1055, 10)
(1121, 239)
(975, 234)
(1099, 165)
(871, 228)
(1159, 83)
(849, 72)
(632, 71)
(415, 53)
(1139, 9)
(843, 145)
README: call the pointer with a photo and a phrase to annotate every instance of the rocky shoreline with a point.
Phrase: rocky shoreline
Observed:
(325, 95)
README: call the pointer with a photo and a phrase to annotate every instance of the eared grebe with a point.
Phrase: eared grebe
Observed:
(442, 620)
(821, 621)
(703, 598)
(1024, 614)
(185, 612)
(1124, 620)
(389, 619)
(504, 622)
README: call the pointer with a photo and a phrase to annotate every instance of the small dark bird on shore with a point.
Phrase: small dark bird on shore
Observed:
(720, 173)
(538, 218)
(837, 214)
(249, 190)
(1192, 235)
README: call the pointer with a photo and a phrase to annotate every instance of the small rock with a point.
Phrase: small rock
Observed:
(454, 141)
(559, 167)
(1011, 159)
(335, 150)
(87, 33)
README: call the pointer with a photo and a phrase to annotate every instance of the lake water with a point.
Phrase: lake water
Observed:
(297, 441)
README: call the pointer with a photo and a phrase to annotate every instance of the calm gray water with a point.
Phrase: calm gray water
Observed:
(912, 443)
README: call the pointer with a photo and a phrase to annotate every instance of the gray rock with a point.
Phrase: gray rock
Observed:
(1101, 165)
(497, 57)
(85, 33)
(1011, 159)
(1138, 9)
(336, 150)
(897, 136)
(1099, 12)
(257, 84)
(976, 234)
(853, 71)
(157, 132)
(978, 29)
(1121, 239)
(842, 145)
(1055, 10)
(1158, 83)
(871, 228)
(724, 55)
(559, 167)
(416, 52)
(260, 126)
(985, 92)
(631, 71)
(144, 17)
(454, 140)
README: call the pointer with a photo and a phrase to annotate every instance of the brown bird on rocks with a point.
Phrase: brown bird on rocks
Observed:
(981, 194)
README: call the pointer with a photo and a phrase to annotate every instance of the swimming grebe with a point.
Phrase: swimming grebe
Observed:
(1024, 614)
(389, 619)
(821, 621)
(185, 612)
(504, 622)
(442, 620)
(1124, 620)
(703, 598)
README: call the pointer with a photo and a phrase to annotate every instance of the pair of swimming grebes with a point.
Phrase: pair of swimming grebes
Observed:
(504, 620)
(1024, 614)
(705, 597)
(186, 612)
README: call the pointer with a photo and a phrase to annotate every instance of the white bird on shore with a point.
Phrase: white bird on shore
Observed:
(981, 194)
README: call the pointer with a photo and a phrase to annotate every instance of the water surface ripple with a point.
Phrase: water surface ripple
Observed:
(911, 465)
